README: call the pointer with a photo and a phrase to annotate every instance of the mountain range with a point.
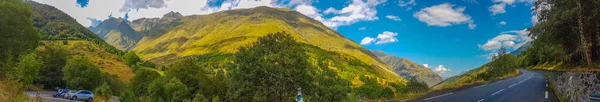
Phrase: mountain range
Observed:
(409, 69)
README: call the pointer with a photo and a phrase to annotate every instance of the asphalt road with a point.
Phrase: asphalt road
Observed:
(528, 87)
(47, 97)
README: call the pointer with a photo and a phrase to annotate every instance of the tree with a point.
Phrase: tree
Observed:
(27, 68)
(104, 91)
(54, 57)
(271, 69)
(18, 35)
(192, 75)
(81, 74)
(131, 58)
(141, 80)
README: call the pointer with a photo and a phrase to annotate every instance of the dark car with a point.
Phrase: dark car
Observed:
(61, 93)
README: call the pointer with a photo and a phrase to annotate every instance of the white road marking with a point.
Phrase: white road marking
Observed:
(497, 92)
(512, 85)
(437, 96)
(480, 100)
(546, 84)
(546, 95)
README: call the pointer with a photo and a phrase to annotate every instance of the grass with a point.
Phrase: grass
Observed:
(10, 91)
(560, 66)
(107, 62)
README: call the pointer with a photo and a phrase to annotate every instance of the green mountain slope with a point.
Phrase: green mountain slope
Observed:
(118, 33)
(409, 69)
(226, 31)
(59, 29)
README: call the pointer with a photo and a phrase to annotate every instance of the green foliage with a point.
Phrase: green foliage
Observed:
(141, 80)
(128, 96)
(103, 91)
(270, 70)
(27, 69)
(191, 75)
(115, 85)
(81, 74)
(18, 35)
(567, 31)
(372, 90)
(176, 91)
(131, 58)
(502, 66)
(54, 57)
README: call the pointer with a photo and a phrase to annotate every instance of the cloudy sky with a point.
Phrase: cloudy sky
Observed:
(448, 36)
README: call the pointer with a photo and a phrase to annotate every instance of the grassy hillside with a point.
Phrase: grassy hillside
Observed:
(226, 31)
(106, 61)
(53, 24)
(59, 28)
(118, 33)
(409, 69)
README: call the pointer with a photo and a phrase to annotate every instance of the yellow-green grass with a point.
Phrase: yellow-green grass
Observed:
(107, 62)
(10, 91)
(227, 31)
(560, 66)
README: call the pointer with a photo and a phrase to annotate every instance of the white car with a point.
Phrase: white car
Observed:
(82, 95)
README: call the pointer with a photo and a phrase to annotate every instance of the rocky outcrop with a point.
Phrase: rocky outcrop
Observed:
(575, 86)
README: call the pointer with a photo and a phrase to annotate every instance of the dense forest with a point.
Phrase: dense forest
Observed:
(567, 35)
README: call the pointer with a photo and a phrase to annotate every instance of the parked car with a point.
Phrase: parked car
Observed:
(61, 93)
(69, 94)
(82, 95)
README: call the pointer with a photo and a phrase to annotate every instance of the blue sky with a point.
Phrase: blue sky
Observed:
(450, 36)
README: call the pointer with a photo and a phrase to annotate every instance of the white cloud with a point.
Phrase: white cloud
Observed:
(407, 3)
(358, 10)
(443, 15)
(142, 4)
(383, 38)
(403, 3)
(387, 37)
(426, 65)
(510, 39)
(392, 17)
(367, 40)
(498, 8)
(441, 69)
(362, 28)
(472, 25)
(510, 2)
(502, 23)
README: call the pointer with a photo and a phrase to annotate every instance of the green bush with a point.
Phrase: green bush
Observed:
(27, 69)
(81, 74)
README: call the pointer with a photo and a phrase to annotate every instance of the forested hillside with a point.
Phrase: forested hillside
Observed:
(566, 36)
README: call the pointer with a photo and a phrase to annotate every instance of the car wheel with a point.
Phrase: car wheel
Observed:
(90, 99)
(74, 98)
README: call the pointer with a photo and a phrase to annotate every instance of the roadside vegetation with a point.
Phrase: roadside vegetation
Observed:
(567, 37)
(503, 65)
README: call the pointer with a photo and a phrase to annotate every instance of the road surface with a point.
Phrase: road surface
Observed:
(527, 87)
(47, 97)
